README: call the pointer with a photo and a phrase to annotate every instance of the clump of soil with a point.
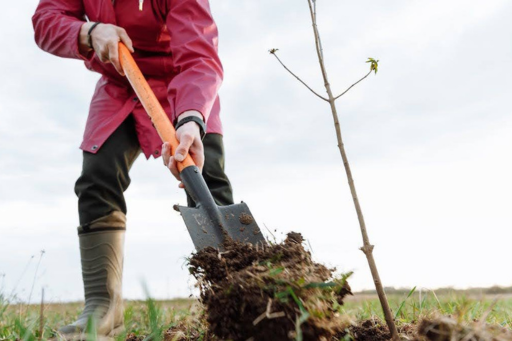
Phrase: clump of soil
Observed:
(191, 327)
(133, 337)
(269, 293)
(375, 329)
(184, 332)
(368, 330)
(447, 329)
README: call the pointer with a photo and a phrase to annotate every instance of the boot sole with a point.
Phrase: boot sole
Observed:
(83, 336)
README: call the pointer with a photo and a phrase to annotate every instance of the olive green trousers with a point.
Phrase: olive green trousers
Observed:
(105, 177)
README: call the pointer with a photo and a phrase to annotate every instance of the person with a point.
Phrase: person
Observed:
(175, 44)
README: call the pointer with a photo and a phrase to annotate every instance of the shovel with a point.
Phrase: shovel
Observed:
(207, 223)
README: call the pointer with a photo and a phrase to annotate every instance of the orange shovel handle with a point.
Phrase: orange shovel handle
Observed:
(149, 101)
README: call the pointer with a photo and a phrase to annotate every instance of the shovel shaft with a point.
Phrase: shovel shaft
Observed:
(151, 104)
(199, 192)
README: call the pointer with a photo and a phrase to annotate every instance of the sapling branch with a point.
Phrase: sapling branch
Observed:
(350, 87)
(274, 52)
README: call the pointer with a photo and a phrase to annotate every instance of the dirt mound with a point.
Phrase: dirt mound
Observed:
(272, 293)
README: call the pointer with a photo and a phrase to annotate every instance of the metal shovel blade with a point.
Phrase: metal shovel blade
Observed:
(234, 221)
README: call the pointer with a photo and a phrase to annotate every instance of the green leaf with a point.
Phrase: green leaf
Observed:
(403, 302)
(92, 334)
(276, 271)
(296, 299)
(282, 296)
(320, 285)
(298, 322)
(374, 64)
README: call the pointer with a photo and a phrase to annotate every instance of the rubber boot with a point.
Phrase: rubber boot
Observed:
(102, 269)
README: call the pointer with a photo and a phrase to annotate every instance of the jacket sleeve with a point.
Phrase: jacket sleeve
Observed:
(57, 25)
(194, 39)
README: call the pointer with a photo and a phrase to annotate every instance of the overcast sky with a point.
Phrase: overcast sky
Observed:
(429, 139)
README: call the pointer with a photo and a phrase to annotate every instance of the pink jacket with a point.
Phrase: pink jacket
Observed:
(175, 45)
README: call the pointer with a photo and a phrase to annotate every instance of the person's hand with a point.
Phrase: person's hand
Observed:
(190, 143)
(105, 39)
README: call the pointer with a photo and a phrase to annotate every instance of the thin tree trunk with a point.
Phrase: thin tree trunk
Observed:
(367, 247)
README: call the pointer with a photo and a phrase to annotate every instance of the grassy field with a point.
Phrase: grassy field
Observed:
(151, 319)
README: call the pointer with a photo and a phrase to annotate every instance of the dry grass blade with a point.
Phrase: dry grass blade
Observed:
(41, 316)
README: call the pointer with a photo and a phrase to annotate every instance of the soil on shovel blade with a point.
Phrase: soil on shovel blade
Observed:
(269, 293)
